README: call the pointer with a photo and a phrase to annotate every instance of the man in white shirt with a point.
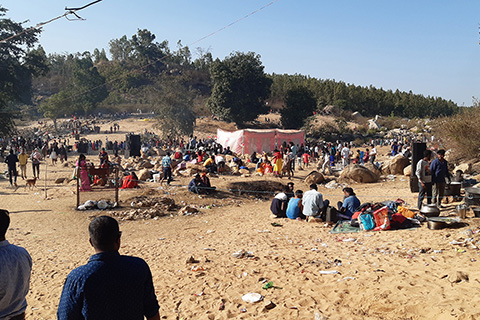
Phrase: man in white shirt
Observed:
(313, 204)
(373, 154)
(15, 266)
(345, 153)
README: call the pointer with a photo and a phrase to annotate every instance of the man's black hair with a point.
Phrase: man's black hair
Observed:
(313, 186)
(349, 191)
(298, 192)
(427, 153)
(4, 223)
(441, 152)
(104, 232)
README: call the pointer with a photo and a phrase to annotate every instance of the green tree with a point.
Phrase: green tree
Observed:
(88, 86)
(174, 109)
(300, 104)
(240, 88)
(17, 66)
(57, 106)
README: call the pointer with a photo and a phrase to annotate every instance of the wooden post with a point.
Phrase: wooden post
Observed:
(78, 186)
(45, 187)
(116, 185)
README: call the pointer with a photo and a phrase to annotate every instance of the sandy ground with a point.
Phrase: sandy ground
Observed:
(408, 274)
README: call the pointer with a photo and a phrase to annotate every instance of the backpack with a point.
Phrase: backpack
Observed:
(365, 220)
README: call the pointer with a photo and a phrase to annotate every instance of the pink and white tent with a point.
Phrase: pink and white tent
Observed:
(250, 140)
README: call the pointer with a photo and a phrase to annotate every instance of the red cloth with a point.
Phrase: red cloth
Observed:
(129, 182)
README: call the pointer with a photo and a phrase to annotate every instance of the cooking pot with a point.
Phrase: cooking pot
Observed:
(472, 196)
(436, 225)
(476, 212)
(430, 210)
(453, 189)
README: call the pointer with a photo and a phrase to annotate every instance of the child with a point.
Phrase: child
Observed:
(305, 158)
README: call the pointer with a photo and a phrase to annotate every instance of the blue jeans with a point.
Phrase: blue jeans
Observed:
(421, 194)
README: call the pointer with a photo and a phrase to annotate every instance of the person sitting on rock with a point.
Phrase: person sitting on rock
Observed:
(279, 204)
(349, 205)
(210, 164)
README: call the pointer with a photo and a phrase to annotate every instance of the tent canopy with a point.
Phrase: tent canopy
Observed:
(249, 140)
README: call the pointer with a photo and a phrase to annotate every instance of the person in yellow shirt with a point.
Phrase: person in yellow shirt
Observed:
(210, 164)
(22, 160)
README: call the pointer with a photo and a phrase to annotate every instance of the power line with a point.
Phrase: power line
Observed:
(69, 11)
(141, 69)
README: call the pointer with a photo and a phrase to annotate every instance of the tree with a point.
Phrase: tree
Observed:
(88, 86)
(174, 109)
(240, 88)
(57, 106)
(300, 104)
(17, 66)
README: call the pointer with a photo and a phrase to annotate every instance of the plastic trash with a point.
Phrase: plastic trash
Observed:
(252, 297)
(329, 272)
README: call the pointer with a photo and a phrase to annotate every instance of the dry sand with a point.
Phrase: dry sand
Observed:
(383, 275)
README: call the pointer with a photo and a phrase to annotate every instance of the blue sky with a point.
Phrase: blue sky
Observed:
(427, 46)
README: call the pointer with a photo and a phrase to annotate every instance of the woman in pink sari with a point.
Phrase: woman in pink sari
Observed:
(82, 167)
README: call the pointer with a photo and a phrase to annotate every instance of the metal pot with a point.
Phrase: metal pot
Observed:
(461, 210)
(430, 210)
(472, 196)
(436, 225)
(453, 189)
(476, 212)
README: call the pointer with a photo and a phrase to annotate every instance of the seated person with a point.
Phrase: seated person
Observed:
(279, 205)
(253, 157)
(206, 181)
(196, 185)
(295, 207)
(290, 193)
(130, 181)
(349, 205)
(268, 168)
(210, 164)
(313, 204)
(220, 162)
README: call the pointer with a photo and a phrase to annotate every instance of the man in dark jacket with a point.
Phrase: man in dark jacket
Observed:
(11, 161)
(439, 169)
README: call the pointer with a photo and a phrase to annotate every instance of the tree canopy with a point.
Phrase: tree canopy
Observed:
(18, 63)
(300, 104)
(240, 88)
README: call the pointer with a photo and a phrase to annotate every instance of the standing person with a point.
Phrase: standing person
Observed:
(313, 204)
(278, 163)
(326, 159)
(54, 155)
(167, 169)
(103, 156)
(424, 176)
(439, 169)
(110, 285)
(11, 160)
(366, 157)
(16, 267)
(36, 157)
(345, 153)
(373, 154)
(22, 160)
(83, 168)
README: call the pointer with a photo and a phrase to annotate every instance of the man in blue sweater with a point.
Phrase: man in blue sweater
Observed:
(439, 169)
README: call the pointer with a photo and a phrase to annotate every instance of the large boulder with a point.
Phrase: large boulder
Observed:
(397, 164)
(196, 168)
(144, 175)
(465, 167)
(370, 166)
(358, 173)
(145, 164)
(407, 171)
(244, 171)
(314, 177)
